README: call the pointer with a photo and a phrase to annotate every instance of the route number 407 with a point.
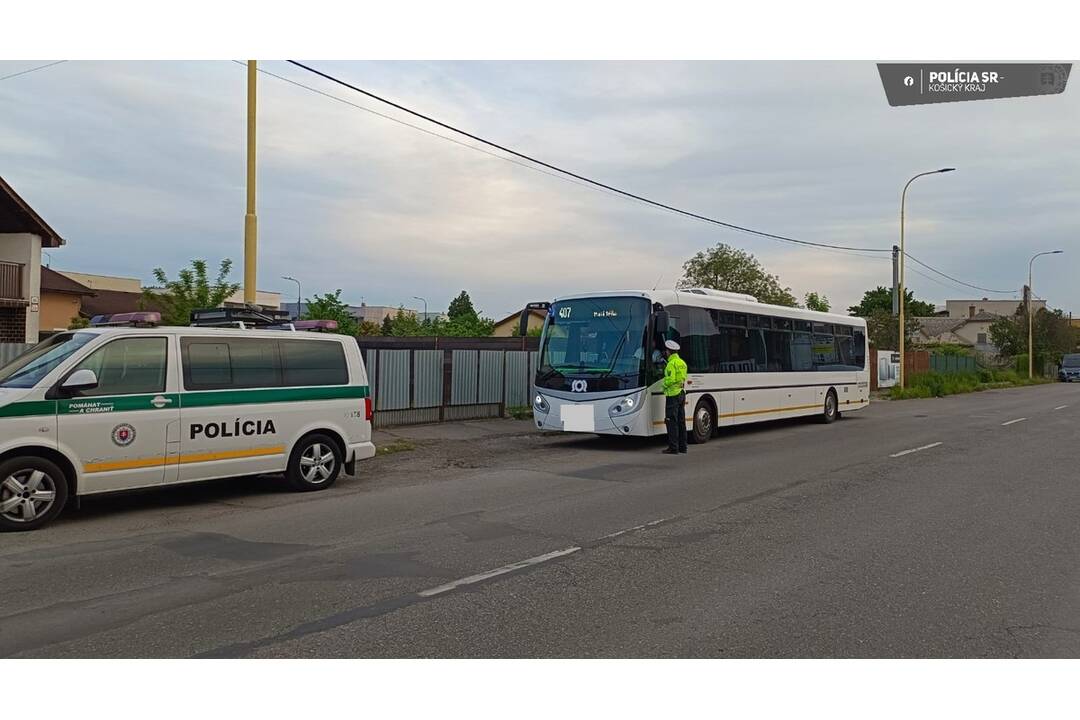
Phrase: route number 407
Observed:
(564, 312)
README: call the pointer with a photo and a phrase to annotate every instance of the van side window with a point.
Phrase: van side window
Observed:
(313, 362)
(128, 366)
(216, 364)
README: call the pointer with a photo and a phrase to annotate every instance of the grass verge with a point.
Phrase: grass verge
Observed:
(520, 412)
(399, 445)
(934, 384)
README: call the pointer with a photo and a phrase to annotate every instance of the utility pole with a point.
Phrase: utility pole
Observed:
(250, 222)
(895, 280)
(1030, 314)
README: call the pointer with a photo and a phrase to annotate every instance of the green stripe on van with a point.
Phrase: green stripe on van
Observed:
(211, 398)
(28, 408)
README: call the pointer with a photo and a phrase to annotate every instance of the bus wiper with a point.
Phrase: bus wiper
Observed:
(614, 356)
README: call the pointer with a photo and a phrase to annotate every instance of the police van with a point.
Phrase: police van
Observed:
(127, 404)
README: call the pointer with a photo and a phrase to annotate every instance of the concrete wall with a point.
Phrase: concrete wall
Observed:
(25, 249)
(57, 310)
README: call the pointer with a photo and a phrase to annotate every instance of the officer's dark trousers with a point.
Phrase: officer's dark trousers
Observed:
(675, 419)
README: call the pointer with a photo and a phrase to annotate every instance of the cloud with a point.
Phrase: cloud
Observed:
(142, 164)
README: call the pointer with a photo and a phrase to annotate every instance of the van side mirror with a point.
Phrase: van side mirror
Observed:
(80, 380)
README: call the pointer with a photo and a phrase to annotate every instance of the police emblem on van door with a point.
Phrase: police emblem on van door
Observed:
(123, 435)
(579, 386)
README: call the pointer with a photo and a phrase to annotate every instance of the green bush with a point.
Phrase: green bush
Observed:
(934, 384)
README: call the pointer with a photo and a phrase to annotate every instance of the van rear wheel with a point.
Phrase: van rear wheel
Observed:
(315, 463)
(33, 491)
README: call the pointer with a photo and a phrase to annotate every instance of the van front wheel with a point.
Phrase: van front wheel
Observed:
(33, 491)
(315, 463)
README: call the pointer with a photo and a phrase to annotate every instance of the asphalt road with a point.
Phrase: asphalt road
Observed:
(787, 539)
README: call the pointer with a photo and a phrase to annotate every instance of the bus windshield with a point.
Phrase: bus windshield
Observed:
(29, 368)
(600, 341)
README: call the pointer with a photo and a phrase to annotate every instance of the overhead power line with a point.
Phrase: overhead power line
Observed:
(574, 178)
(33, 69)
(955, 280)
(582, 178)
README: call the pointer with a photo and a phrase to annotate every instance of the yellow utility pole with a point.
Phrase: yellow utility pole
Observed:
(251, 230)
(903, 200)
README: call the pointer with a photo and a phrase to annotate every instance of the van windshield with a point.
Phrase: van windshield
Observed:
(28, 369)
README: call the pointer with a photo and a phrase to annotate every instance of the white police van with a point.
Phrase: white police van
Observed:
(126, 404)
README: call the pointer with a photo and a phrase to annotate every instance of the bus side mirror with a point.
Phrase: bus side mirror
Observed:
(662, 323)
(523, 323)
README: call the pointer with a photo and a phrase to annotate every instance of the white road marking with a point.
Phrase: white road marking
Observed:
(473, 579)
(913, 450)
(1061, 407)
(617, 533)
(1010, 422)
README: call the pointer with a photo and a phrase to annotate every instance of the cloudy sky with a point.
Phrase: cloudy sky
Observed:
(141, 164)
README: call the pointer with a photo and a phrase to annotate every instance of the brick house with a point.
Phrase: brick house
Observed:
(23, 234)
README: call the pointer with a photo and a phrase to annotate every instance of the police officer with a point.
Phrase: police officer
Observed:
(675, 399)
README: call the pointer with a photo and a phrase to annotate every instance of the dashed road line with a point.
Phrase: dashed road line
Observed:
(914, 450)
(1013, 422)
(480, 577)
(643, 526)
(1061, 407)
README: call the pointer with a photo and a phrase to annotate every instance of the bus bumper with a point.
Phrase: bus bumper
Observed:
(597, 416)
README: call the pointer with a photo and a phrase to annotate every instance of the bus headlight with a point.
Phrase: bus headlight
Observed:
(625, 406)
(540, 404)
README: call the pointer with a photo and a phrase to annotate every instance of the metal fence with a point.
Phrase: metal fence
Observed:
(425, 380)
(10, 351)
(952, 363)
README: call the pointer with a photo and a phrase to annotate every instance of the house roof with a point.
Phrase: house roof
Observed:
(515, 316)
(935, 326)
(983, 316)
(52, 281)
(16, 216)
(109, 302)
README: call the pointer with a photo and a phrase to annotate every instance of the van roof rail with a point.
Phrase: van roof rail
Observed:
(242, 318)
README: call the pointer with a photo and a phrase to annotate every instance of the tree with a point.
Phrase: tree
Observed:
(368, 328)
(78, 323)
(883, 329)
(462, 320)
(193, 290)
(388, 325)
(880, 298)
(330, 307)
(461, 308)
(1052, 334)
(405, 324)
(816, 302)
(726, 268)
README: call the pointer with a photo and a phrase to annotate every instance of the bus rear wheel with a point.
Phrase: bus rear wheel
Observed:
(704, 422)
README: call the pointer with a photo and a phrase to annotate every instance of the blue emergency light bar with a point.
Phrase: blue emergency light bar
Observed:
(133, 319)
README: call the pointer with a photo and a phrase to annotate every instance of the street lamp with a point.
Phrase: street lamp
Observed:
(414, 297)
(1031, 318)
(903, 200)
(286, 277)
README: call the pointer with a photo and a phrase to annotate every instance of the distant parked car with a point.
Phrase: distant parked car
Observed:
(1070, 368)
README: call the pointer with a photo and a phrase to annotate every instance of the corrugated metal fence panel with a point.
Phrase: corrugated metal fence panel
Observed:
(393, 393)
(428, 371)
(10, 351)
(517, 379)
(370, 363)
(490, 382)
(464, 375)
(952, 363)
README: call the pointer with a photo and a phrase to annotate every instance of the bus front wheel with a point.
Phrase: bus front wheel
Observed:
(704, 422)
(831, 411)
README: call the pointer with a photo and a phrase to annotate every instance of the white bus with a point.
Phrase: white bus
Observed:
(600, 368)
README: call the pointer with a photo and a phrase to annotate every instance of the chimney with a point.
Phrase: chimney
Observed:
(971, 311)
